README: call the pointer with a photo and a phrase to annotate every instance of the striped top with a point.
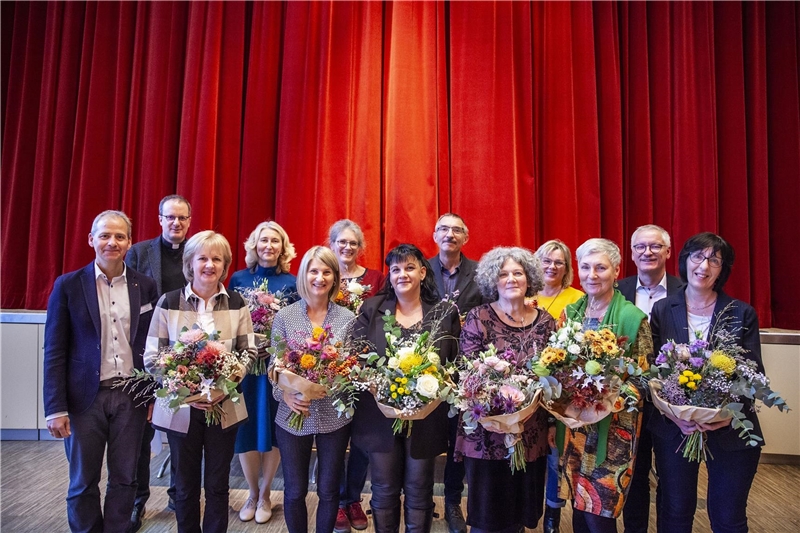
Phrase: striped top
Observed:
(292, 323)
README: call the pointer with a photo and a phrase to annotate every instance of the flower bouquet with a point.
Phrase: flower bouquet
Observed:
(316, 368)
(585, 375)
(351, 295)
(263, 305)
(195, 368)
(702, 383)
(409, 381)
(500, 393)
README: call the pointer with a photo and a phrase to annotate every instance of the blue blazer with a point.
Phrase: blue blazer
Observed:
(668, 321)
(72, 337)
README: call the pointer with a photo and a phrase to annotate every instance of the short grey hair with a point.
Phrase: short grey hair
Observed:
(110, 213)
(328, 258)
(287, 248)
(206, 239)
(556, 245)
(488, 272)
(339, 226)
(454, 215)
(652, 227)
(600, 246)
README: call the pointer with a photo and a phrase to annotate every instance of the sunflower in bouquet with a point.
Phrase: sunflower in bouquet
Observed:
(705, 383)
(586, 374)
(409, 381)
(263, 306)
(319, 366)
(499, 392)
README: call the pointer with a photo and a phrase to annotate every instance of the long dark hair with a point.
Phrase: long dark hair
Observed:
(701, 241)
(403, 252)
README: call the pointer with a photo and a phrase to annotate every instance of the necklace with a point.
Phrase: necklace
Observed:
(513, 320)
(597, 310)
(693, 308)
(554, 299)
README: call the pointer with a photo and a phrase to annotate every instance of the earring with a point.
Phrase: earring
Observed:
(616, 284)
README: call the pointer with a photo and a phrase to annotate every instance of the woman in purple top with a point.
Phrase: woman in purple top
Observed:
(498, 500)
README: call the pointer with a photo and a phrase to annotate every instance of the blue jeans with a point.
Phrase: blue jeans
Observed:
(553, 478)
(730, 475)
(296, 459)
(355, 477)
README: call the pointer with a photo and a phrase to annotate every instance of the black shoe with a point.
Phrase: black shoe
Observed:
(455, 518)
(136, 518)
(171, 505)
(552, 519)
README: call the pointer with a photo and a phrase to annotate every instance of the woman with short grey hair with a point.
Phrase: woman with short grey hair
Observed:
(506, 276)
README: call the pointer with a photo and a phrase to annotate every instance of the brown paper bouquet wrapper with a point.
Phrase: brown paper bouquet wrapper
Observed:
(236, 377)
(688, 413)
(391, 412)
(290, 380)
(512, 423)
(575, 418)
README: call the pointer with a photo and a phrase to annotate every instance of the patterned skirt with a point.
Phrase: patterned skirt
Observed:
(600, 489)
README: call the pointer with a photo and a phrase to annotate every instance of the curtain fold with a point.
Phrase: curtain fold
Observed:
(533, 120)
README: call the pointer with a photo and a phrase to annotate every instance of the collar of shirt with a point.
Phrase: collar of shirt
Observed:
(662, 284)
(171, 245)
(99, 273)
(188, 293)
(456, 270)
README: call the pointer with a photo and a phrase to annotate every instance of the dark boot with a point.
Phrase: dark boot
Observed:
(552, 519)
(418, 520)
(386, 520)
(454, 518)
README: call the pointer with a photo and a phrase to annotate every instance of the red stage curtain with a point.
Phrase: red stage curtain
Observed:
(533, 120)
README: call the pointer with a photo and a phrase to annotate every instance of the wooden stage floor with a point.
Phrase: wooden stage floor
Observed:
(33, 487)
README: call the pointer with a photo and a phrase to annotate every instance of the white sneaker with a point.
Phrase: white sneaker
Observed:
(263, 512)
(248, 510)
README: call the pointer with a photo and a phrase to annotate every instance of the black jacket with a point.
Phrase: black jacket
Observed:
(371, 431)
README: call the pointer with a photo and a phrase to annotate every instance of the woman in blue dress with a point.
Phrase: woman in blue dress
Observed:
(269, 254)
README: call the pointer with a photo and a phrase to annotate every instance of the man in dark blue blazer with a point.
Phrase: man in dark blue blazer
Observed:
(95, 333)
(454, 272)
(161, 259)
(650, 246)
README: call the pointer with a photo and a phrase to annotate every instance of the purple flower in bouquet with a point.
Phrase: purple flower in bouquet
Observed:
(661, 359)
(697, 362)
(478, 411)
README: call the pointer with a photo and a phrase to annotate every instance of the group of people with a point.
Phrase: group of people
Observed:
(95, 337)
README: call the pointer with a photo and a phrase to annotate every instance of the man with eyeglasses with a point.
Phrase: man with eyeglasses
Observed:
(454, 272)
(161, 259)
(650, 246)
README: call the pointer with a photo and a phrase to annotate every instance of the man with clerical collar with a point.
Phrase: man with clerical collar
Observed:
(97, 323)
(454, 272)
(161, 259)
(650, 246)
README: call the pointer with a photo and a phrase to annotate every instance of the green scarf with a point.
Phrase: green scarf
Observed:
(624, 319)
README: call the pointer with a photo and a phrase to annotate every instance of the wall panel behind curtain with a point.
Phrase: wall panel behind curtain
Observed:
(533, 120)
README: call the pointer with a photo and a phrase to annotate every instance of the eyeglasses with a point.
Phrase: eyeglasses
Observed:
(550, 262)
(444, 230)
(641, 248)
(698, 258)
(173, 218)
(344, 244)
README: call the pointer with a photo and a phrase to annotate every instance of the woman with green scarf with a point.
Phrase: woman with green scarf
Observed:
(597, 460)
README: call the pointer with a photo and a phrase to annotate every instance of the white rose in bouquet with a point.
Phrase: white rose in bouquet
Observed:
(428, 386)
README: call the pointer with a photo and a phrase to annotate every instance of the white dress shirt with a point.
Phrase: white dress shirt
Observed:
(646, 298)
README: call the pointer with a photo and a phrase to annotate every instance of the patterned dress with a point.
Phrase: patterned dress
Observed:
(497, 498)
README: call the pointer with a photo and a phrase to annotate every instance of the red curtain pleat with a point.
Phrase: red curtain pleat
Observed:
(412, 113)
(533, 120)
